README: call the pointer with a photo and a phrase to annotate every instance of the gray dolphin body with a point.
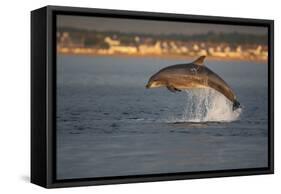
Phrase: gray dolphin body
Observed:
(192, 75)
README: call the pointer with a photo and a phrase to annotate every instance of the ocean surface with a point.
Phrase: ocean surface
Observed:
(109, 124)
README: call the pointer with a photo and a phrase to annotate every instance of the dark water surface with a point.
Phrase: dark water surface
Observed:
(108, 124)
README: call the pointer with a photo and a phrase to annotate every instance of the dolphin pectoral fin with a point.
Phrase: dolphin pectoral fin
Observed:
(173, 89)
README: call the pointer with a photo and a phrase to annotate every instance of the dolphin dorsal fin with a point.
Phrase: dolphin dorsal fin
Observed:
(199, 61)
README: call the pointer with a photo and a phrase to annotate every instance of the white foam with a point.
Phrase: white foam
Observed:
(207, 105)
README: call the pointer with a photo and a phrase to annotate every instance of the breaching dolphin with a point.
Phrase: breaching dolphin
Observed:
(192, 75)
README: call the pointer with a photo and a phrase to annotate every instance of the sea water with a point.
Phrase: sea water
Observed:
(109, 124)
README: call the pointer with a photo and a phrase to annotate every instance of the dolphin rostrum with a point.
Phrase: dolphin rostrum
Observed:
(192, 75)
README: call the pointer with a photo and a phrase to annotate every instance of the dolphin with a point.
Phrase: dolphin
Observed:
(192, 75)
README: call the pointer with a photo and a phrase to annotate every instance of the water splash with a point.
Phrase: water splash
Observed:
(208, 105)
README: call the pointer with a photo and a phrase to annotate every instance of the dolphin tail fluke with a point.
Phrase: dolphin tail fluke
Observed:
(236, 105)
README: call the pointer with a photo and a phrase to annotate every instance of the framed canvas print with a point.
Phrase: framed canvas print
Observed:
(124, 96)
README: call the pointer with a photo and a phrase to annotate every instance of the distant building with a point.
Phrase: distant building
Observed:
(111, 42)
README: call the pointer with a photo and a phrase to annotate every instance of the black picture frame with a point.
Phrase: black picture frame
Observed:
(43, 96)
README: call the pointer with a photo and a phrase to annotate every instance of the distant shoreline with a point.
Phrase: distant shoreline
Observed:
(164, 56)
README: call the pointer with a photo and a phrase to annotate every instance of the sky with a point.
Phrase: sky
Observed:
(151, 26)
